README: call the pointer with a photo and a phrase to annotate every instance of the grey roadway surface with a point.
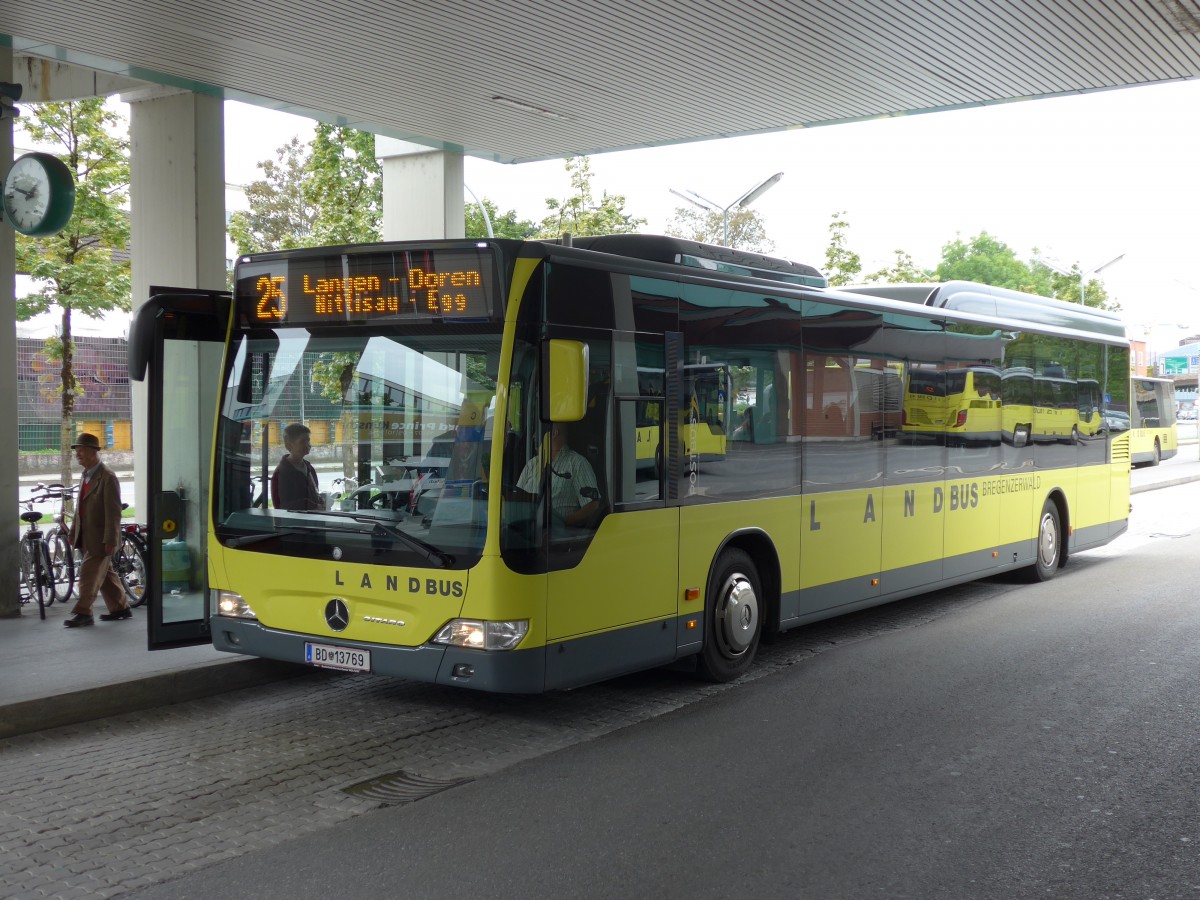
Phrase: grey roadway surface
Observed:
(52, 676)
(1039, 742)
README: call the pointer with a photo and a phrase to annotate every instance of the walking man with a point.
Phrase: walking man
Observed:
(97, 532)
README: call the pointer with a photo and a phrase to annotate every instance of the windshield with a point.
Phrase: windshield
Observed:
(365, 447)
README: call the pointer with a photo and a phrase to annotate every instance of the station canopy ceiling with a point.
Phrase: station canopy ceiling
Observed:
(517, 80)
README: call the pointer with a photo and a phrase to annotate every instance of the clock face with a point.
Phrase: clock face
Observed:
(39, 195)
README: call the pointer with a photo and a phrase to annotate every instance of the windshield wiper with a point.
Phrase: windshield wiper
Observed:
(246, 539)
(424, 548)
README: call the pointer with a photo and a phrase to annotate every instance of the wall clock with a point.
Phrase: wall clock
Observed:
(39, 195)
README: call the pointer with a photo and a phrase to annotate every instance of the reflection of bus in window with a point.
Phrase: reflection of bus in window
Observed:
(1090, 403)
(1055, 408)
(973, 404)
(703, 427)
(1153, 432)
(1049, 408)
(1016, 414)
(925, 406)
(964, 404)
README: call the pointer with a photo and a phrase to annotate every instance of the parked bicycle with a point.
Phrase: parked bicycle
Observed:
(64, 559)
(37, 579)
(129, 562)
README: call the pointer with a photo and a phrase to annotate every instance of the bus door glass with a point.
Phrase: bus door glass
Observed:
(176, 344)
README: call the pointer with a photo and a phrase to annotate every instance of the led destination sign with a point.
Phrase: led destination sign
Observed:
(355, 288)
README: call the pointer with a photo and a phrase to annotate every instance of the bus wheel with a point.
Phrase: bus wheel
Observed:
(1049, 544)
(1157, 454)
(732, 618)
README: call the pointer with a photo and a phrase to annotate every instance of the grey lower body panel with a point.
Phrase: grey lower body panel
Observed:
(594, 657)
(828, 600)
(515, 671)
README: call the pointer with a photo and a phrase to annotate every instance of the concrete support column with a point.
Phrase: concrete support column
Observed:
(9, 604)
(422, 191)
(177, 208)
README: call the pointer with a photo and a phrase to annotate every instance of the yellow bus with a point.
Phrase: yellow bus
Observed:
(550, 556)
(1153, 431)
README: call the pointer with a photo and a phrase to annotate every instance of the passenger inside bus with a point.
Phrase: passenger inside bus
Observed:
(574, 495)
(294, 481)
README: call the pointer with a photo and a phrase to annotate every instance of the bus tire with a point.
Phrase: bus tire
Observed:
(1157, 458)
(1048, 556)
(732, 617)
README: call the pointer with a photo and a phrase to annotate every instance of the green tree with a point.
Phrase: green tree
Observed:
(335, 374)
(328, 191)
(746, 228)
(579, 214)
(990, 261)
(85, 267)
(280, 217)
(344, 185)
(1065, 285)
(503, 226)
(903, 270)
(987, 260)
(842, 265)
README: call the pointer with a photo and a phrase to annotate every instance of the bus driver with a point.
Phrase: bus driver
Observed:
(574, 494)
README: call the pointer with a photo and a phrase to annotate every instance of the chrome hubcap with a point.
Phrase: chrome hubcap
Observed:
(1048, 542)
(737, 616)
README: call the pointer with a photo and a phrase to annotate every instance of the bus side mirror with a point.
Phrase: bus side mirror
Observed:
(565, 396)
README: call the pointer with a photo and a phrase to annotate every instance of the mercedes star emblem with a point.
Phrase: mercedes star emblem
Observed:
(337, 616)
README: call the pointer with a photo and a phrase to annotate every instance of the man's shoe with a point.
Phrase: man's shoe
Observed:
(125, 613)
(79, 620)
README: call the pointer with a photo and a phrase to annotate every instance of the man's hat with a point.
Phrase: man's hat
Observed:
(86, 440)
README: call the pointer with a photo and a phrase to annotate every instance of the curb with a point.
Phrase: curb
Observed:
(1172, 482)
(151, 692)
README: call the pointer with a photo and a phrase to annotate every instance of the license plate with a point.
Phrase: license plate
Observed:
(345, 658)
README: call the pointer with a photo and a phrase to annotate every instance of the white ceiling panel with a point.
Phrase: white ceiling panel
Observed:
(515, 80)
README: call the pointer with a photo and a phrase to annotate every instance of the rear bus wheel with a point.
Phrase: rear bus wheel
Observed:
(732, 617)
(1049, 544)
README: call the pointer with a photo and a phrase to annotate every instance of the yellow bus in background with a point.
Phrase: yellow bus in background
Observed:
(1153, 430)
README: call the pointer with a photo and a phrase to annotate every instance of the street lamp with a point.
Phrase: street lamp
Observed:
(1094, 270)
(740, 203)
(487, 220)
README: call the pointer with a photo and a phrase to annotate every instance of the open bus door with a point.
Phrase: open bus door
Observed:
(176, 341)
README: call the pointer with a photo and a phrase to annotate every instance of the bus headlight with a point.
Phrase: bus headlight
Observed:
(480, 635)
(233, 605)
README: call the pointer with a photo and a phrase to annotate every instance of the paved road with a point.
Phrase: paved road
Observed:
(994, 740)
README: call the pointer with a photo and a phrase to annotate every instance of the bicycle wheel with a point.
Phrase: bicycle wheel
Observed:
(130, 564)
(62, 564)
(46, 576)
(28, 581)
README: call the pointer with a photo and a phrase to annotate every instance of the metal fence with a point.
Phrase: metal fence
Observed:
(102, 407)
